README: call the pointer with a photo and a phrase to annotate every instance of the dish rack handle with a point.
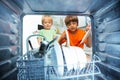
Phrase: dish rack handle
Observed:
(27, 41)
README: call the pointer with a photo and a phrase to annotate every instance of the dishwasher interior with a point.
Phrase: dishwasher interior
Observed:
(105, 20)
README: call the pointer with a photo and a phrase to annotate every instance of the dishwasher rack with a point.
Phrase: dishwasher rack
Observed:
(31, 68)
(34, 69)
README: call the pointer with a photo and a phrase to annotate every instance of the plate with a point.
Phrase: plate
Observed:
(57, 59)
(74, 57)
(82, 60)
(70, 57)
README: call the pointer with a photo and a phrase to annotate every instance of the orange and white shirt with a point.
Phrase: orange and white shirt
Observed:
(76, 38)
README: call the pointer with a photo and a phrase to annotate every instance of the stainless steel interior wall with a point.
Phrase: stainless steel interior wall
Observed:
(107, 40)
(106, 33)
(9, 42)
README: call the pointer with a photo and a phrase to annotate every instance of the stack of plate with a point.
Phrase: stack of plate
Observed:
(74, 58)
(57, 59)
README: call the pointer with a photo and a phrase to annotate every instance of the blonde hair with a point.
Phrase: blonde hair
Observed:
(48, 17)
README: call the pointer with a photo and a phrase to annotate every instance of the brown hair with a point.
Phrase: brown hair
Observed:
(70, 18)
(47, 16)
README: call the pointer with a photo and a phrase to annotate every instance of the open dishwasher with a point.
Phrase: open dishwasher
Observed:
(53, 64)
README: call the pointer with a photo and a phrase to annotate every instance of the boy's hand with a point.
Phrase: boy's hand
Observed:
(88, 27)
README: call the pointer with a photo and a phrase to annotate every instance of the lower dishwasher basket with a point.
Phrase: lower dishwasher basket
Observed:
(34, 69)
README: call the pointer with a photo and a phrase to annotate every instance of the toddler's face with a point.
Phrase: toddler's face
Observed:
(72, 26)
(47, 24)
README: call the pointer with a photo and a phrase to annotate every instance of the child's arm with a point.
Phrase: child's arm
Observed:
(89, 38)
(61, 38)
(89, 42)
(85, 36)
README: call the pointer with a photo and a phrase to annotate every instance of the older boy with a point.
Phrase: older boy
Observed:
(75, 35)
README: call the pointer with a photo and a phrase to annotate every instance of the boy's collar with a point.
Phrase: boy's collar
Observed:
(72, 31)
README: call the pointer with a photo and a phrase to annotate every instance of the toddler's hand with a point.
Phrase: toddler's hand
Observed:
(35, 32)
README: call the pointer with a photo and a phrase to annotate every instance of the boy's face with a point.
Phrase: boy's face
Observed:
(47, 23)
(72, 26)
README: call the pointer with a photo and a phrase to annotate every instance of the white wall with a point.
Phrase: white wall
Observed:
(30, 24)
